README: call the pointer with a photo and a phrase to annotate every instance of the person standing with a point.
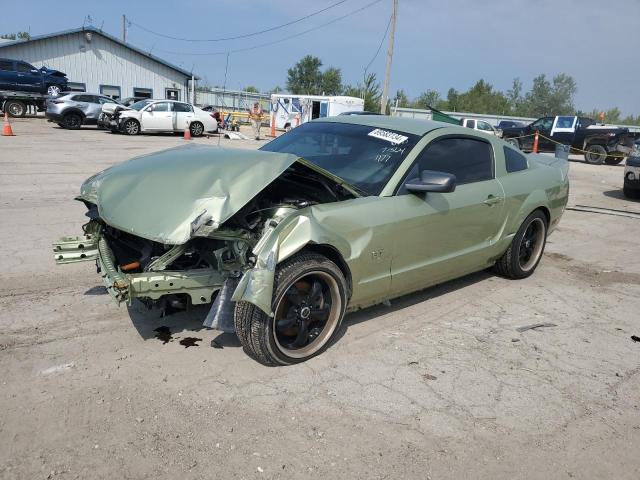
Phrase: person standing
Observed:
(256, 115)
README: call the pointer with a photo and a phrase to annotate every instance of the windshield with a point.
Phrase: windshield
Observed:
(365, 157)
(140, 105)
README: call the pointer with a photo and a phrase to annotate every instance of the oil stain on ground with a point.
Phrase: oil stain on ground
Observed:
(190, 342)
(164, 334)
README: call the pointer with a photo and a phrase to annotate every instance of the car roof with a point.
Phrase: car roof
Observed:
(402, 124)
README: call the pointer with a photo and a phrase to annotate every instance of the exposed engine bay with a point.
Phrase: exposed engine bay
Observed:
(225, 249)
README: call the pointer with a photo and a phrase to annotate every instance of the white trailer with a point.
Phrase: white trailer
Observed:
(289, 111)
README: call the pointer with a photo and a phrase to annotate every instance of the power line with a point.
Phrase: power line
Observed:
(238, 50)
(237, 37)
(379, 46)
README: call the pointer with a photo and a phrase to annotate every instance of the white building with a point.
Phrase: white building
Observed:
(97, 62)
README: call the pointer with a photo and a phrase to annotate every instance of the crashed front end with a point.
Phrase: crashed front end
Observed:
(183, 227)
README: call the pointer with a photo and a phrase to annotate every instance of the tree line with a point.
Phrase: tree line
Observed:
(547, 96)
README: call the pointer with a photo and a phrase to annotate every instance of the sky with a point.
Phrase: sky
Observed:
(438, 45)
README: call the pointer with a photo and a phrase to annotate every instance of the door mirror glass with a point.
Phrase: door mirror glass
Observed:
(432, 181)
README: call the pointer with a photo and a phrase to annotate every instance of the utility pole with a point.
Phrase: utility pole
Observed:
(124, 28)
(387, 72)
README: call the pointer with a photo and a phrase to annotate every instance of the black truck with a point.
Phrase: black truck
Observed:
(599, 143)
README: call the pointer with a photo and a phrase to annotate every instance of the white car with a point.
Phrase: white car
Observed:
(479, 125)
(158, 116)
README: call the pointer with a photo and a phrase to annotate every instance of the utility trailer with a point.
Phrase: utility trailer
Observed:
(16, 103)
(289, 111)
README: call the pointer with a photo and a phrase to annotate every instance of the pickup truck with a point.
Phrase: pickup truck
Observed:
(599, 143)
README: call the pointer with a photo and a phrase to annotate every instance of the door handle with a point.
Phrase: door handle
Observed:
(492, 200)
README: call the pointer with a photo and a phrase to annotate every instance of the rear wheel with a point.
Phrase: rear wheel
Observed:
(131, 127)
(197, 129)
(309, 303)
(72, 121)
(15, 108)
(523, 255)
(596, 154)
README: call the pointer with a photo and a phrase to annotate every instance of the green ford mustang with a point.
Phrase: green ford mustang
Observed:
(334, 216)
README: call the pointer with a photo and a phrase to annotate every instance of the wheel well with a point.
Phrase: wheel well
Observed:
(77, 112)
(334, 255)
(547, 214)
(288, 124)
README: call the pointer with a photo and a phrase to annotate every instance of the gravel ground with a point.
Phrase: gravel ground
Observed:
(439, 385)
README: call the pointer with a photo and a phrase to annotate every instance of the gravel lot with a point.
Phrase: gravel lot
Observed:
(439, 385)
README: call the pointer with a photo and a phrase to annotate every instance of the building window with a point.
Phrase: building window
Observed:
(110, 91)
(76, 87)
(140, 93)
(172, 94)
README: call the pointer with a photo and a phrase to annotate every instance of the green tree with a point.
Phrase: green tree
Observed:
(276, 89)
(331, 82)
(514, 97)
(401, 99)
(369, 90)
(251, 89)
(550, 98)
(16, 36)
(428, 98)
(305, 76)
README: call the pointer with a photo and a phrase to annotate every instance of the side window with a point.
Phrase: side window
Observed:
(161, 107)
(470, 160)
(24, 67)
(514, 161)
(543, 123)
(182, 107)
(82, 98)
(103, 100)
(6, 65)
(470, 123)
(484, 126)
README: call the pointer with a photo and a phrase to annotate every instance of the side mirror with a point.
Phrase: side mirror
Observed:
(432, 181)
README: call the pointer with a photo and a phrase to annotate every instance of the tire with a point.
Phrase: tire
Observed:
(15, 108)
(513, 141)
(197, 129)
(131, 127)
(72, 121)
(309, 302)
(613, 160)
(630, 192)
(596, 154)
(526, 249)
(53, 90)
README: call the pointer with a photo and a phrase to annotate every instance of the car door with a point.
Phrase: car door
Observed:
(28, 78)
(158, 116)
(444, 235)
(564, 129)
(8, 75)
(543, 126)
(183, 116)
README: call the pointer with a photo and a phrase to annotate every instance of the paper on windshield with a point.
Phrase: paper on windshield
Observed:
(391, 137)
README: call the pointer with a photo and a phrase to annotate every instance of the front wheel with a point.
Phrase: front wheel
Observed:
(197, 129)
(131, 127)
(523, 255)
(72, 121)
(309, 303)
(15, 108)
(595, 154)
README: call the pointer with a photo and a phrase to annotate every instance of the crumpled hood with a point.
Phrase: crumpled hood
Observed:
(163, 196)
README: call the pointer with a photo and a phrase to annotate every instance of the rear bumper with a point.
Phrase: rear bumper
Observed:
(200, 284)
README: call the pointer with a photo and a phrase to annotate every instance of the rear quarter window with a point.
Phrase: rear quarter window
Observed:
(514, 161)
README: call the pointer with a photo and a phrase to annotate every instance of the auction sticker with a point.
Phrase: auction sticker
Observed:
(392, 137)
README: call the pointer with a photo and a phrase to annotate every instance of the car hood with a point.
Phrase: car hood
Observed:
(55, 73)
(166, 196)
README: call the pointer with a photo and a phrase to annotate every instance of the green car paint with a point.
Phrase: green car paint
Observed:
(387, 245)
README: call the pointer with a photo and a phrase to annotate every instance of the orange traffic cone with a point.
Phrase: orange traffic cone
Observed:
(535, 142)
(7, 131)
(187, 133)
(273, 125)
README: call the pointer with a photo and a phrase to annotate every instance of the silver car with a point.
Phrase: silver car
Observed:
(73, 109)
